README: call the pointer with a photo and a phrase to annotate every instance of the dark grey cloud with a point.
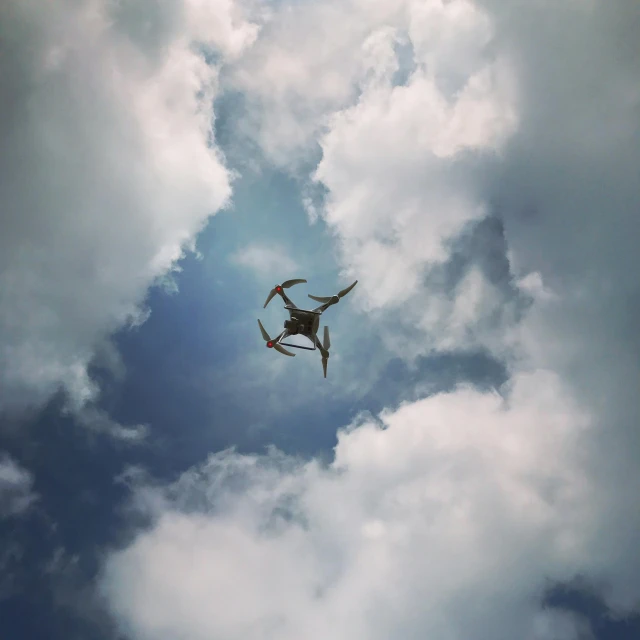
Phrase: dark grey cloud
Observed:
(569, 193)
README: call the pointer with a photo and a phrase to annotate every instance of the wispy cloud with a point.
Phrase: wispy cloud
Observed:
(267, 261)
(16, 494)
(99, 421)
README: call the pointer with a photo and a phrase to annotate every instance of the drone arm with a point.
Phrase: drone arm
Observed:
(331, 300)
(279, 289)
(287, 300)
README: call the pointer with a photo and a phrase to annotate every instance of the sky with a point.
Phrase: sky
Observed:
(469, 468)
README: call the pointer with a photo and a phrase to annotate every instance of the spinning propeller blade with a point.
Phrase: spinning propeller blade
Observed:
(269, 298)
(282, 350)
(324, 366)
(341, 294)
(344, 292)
(272, 344)
(285, 285)
(289, 283)
(265, 335)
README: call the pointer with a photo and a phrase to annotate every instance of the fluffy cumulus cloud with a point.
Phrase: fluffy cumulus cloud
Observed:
(430, 116)
(15, 487)
(410, 106)
(108, 171)
(442, 519)
(479, 170)
(302, 68)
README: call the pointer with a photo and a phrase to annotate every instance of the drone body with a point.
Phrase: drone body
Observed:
(305, 322)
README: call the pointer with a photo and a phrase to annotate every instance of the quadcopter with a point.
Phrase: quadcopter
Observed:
(304, 322)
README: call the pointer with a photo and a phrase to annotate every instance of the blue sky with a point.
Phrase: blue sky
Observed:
(469, 466)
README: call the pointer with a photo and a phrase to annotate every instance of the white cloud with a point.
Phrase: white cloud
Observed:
(107, 172)
(400, 165)
(527, 110)
(447, 522)
(15, 487)
(99, 421)
(303, 67)
(444, 520)
(265, 260)
(403, 165)
(532, 283)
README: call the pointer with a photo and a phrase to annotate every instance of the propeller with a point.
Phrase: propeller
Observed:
(272, 344)
(341, 294)
(279, 287)
(326, 343)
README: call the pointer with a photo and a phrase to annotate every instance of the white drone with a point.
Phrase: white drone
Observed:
(303, 322)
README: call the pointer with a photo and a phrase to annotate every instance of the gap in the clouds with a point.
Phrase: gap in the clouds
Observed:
(405, 55)
(582, 598)
(174, 369)
(167, 380)
(175, 359)
(74, 470)
(171, 369)
(60, 539)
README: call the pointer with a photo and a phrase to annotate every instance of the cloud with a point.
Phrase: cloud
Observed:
(485, 194)
(16, 483)
(99, 421)
(439, 114)
(302, 67)
(567, 196)
(442, 519)
(410, 106)
(265, 260)
(450, 115)
(401, 166)
(108, 172)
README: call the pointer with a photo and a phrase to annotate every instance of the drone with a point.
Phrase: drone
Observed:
(305, 322)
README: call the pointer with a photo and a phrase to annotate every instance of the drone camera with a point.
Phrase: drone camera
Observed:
(291, 326)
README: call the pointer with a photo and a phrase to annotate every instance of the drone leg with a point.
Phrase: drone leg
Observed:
(323, 352)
